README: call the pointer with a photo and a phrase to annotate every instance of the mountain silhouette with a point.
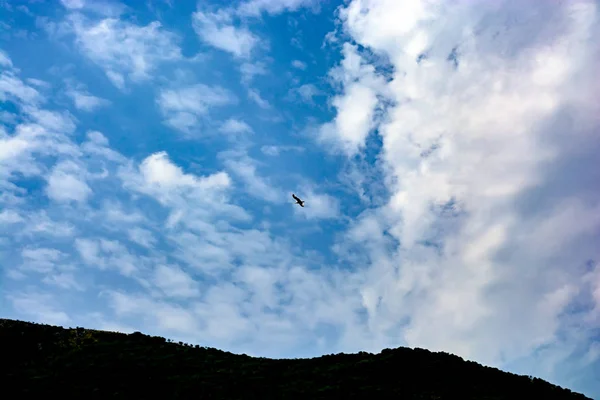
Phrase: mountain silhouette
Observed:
(55, 362)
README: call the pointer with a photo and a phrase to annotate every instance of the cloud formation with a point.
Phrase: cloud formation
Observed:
(217, 30)
(124, 50)
(184, 106)
(475, 119)
(450, 177)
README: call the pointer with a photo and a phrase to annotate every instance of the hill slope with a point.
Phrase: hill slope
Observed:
(53, 361)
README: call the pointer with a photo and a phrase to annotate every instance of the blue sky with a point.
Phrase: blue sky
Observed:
(447, 153)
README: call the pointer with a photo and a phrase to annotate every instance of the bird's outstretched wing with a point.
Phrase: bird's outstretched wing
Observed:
(295, 198)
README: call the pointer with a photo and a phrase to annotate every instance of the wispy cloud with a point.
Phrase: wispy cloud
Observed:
(244, 167)
(5, 60)
(250, 70)
(73, 4)
(299, 65)
(235, 126)
(40, 307)
(85, 101)
(306, 92)
(175, 282)
(254, 95)
(184, 106)
(274, 150)
(257, 7)
(101, 7)
(322, 205)
(217, 30)
(122, 49)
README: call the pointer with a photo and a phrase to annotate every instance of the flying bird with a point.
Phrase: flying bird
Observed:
(298, 201)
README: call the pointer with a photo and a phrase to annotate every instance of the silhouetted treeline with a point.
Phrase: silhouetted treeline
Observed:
(53, 362)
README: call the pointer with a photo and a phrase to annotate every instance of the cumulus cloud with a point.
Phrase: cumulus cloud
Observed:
(476, 159)
(67, 183)
(187, 197)
(158, 171)
(356, 107)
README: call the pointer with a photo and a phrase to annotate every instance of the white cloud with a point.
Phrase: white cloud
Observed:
(53, 122)
(105, 254)
(477, 161)
(41, 260)
(217, 30)
(255, 8)
(12, 87)
(10, 217)
(299, 64)
(73, 4)
(5, 60)
(157, 170)
(254, 95)
(38, 133)
(250, 70)
(40, 306)
(114, 212)
(85, 101)
(88, 250)
(318, 205)
(272, 150)
(191, 199)
(102, 7)
(124, 50)
(63, 280)
(67, 183)
(183, 107)
(307, 92)
(40, 223)
(244, 167)
(97, 145)
(235, 126)
(175, 282)
(356, 107)
(142, 237)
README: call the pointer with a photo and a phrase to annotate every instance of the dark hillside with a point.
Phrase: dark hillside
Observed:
(53, 362)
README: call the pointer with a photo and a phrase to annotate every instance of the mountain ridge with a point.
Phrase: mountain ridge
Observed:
(71, 362)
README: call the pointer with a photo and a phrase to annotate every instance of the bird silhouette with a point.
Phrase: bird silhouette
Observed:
(298, 201)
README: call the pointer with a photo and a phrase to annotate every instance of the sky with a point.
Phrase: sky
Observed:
(447, 152)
